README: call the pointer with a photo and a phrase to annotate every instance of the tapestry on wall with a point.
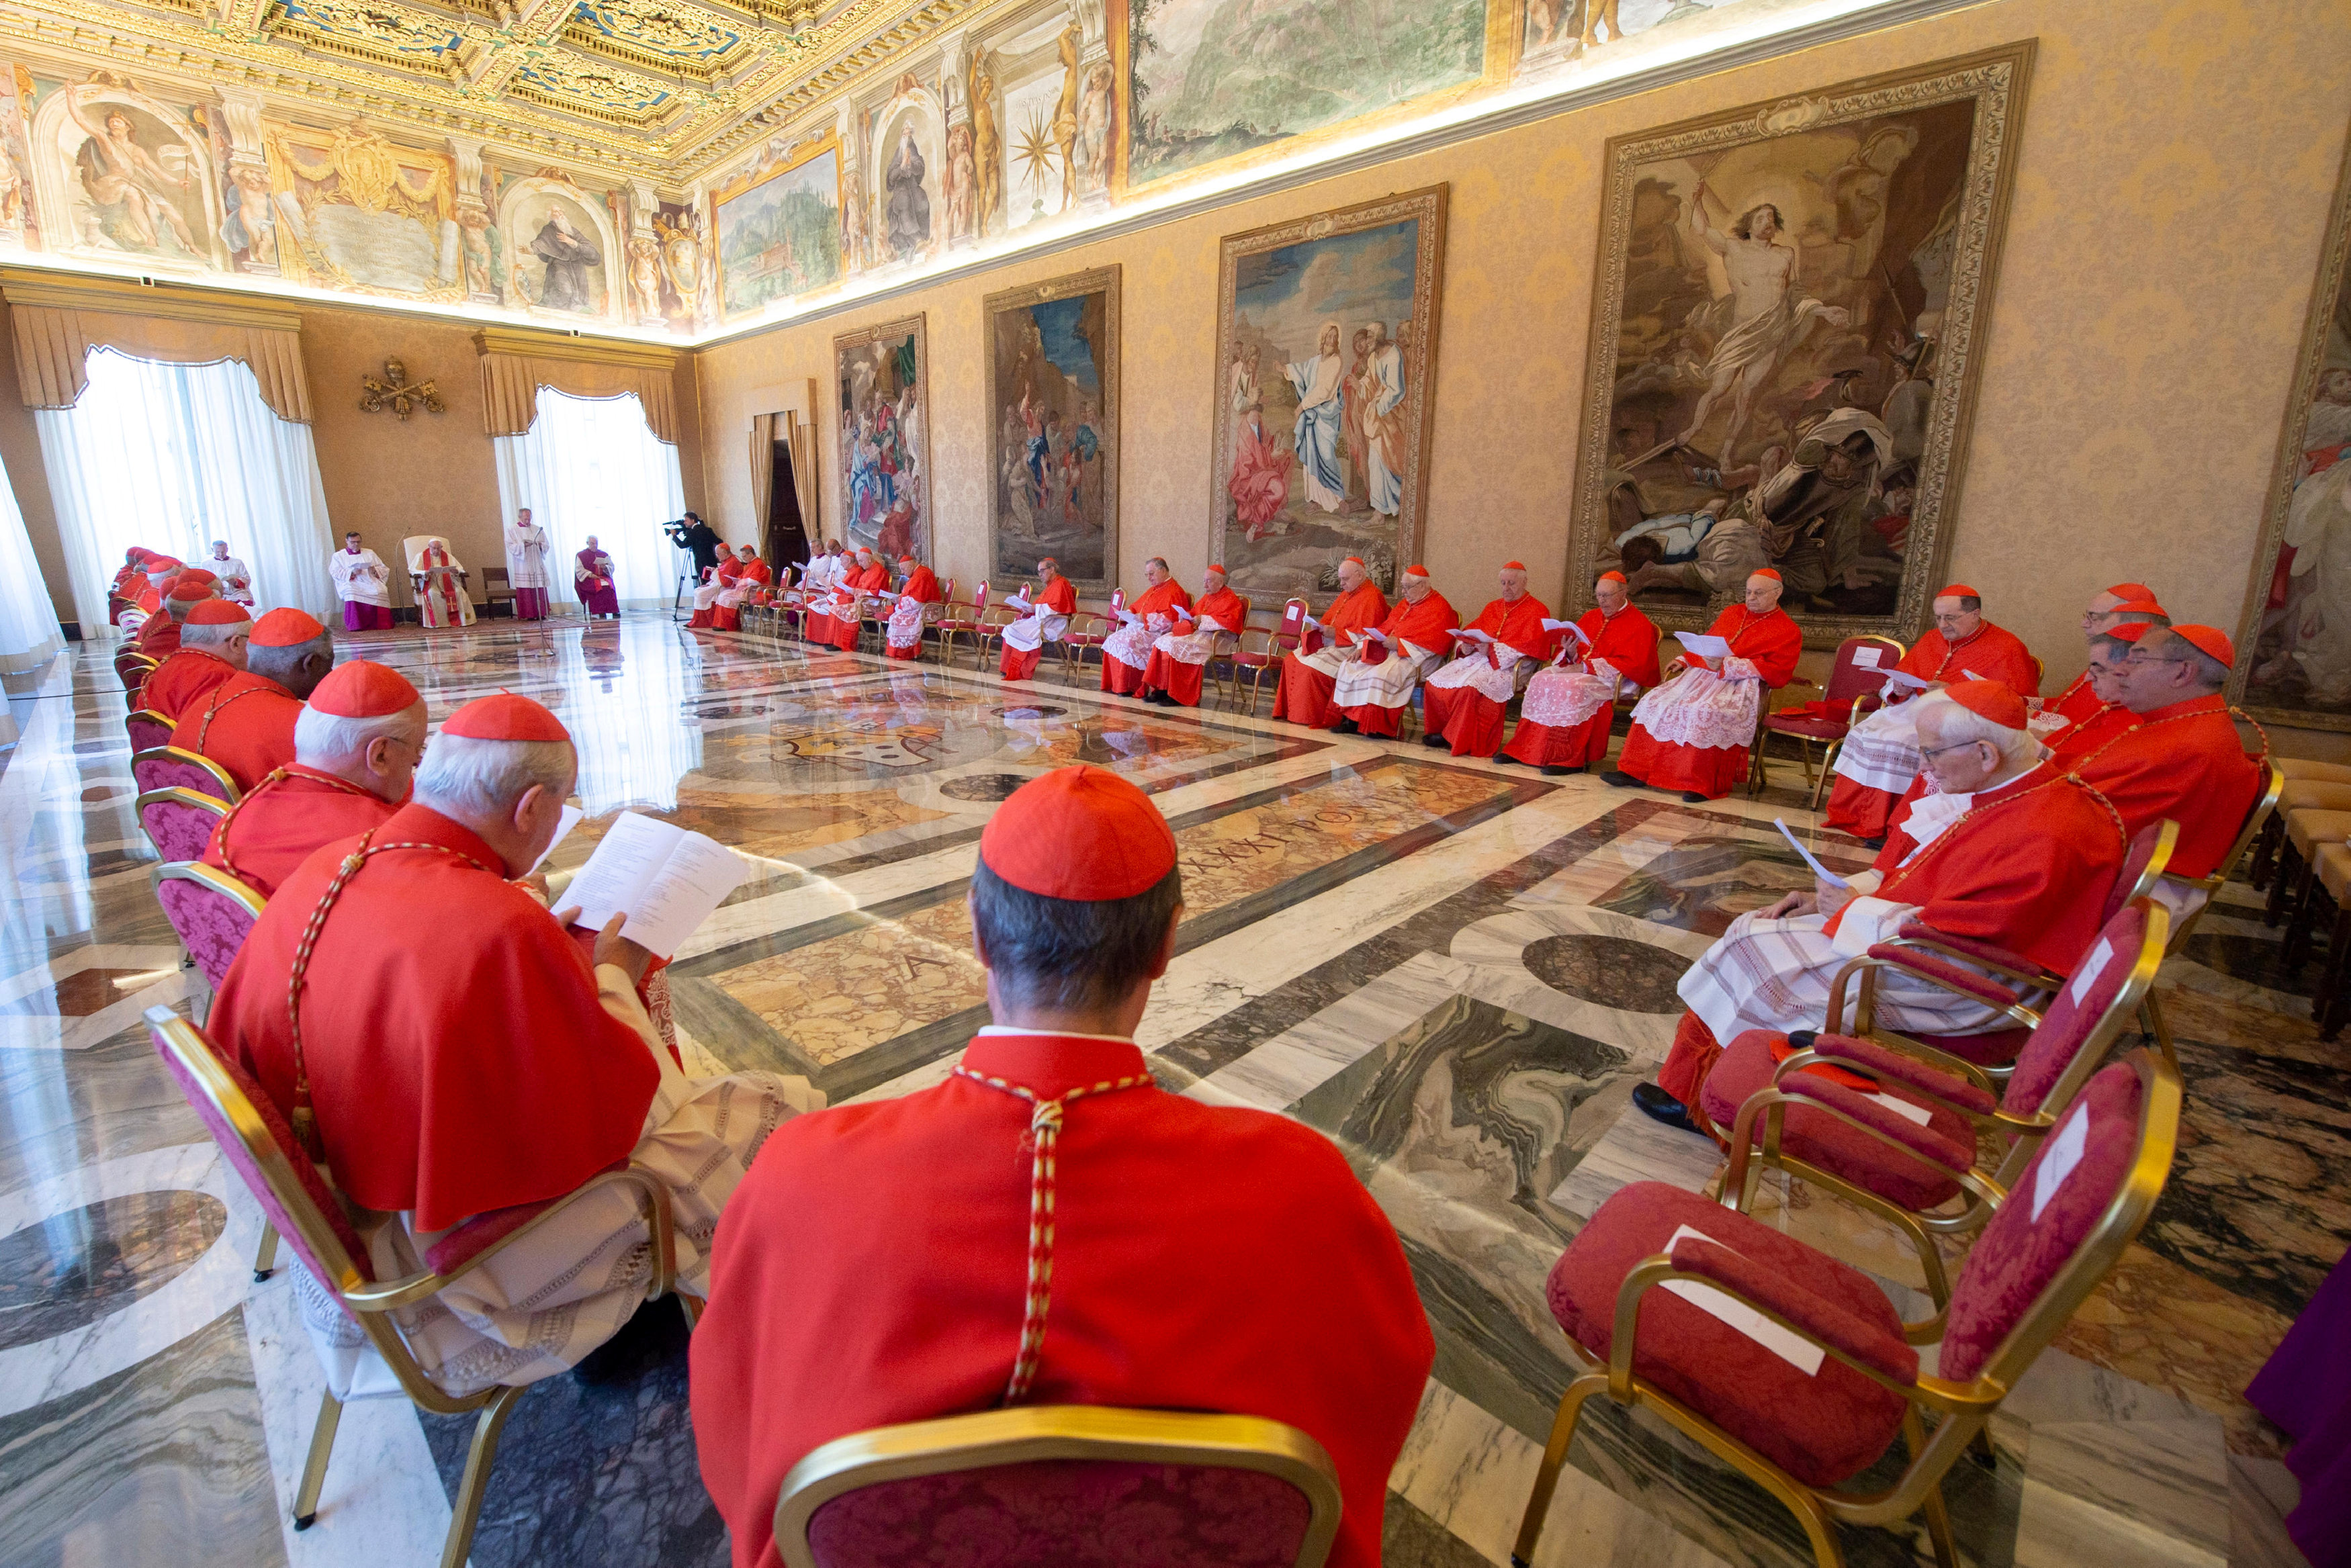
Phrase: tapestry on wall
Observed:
(884, 374)
(1326, 333)
(2294, 641)
(780, 229)
(1783, 346)
(1052, 378)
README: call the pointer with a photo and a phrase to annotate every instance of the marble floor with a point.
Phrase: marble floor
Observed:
(1458, 971)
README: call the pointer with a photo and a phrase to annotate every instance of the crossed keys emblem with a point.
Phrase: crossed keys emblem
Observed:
(397, 392)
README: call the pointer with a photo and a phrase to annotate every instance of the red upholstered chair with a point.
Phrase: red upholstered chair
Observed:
(935, 615)
(1088, 632)
(148, 729)
(211, 911)
(961, 620)
(167, 767)
(178, 821)
(1280, 642)
(1852, 693)
(1803, 1423)
(1226, 650)
(133, 668)
(1049, 1483)
(1908, 1165)
(298, 1204)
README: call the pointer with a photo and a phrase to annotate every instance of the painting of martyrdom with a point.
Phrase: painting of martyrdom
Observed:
(1052, 376)
(140, 177)
(780, 229)
(1783, 350)
(1190, 100)
(884, 374)
(1326, 334)
(2297, 619)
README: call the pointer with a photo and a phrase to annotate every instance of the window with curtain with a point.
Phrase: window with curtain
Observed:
(29, 622)
(588, 465)
(173, 457)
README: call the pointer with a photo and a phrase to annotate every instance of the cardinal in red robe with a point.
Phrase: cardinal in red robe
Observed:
(877, 1265)
(1692, 733)
(211, 648)
(1172, 676)
(1310, 673)
(1566, 714)
(2121, 605)
(246, 722)
(1387, 661)
(1050, 607)
(854, 601)
(1463, 701)
(160, 636)
(705, 598)
(1149, 615)
(903, 637)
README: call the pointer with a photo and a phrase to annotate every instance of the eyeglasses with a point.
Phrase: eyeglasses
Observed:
(1955, 745)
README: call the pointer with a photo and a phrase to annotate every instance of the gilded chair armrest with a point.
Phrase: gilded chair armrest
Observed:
(1868, 1114)
(505, 1231)
(1960, 1094)
(1941, 972)
(1917, 937)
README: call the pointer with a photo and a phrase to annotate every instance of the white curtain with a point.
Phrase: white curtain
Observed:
(29, 622)
(588, 465)
(173, 457)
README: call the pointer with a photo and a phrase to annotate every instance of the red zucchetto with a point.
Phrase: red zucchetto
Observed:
(363, 690)
(505, 717)
(1081, 833)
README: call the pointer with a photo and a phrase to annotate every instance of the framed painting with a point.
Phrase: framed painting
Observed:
(1052, 380)
(1326, 334)
(1784, 334)
(2297, 621)
(883, 375)
(779, 229)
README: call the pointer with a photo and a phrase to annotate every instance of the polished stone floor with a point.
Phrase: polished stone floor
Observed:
(1458, 971)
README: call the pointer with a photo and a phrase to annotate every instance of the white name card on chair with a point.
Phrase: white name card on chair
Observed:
(1791, 1348)
(1867, 658)
(2058, 1160)
(2092, 967)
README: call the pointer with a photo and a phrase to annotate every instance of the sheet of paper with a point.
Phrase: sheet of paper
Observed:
(1903, 680)
(1705, 647)
(1902, 1109)
(1819, 870)
(1130, 617)
(571, 815)
(2058, 1159)
(695, 879)
(2087, 975)
(1789, 1346)
(1311, 624)
(1867, 658)
(624, 863)
(1374, 634)
(1469, 636)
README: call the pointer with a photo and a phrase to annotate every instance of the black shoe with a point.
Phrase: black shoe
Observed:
(1552, 773)
(1434, 741)
(1346, 727)
(1877, 843)
(1658, 1106)
(1691, 797)
(1620, 780)
(1503, 759)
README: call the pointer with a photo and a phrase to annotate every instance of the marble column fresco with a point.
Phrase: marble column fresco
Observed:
(1456, 970)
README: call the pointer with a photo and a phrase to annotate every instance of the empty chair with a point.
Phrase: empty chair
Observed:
(179, 822)
(1280, 642)
(1859, 671)
(166, 767)
(960, 621)
(1049, 1483)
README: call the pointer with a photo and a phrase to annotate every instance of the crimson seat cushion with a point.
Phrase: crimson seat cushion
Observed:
(1820, 1428)
(1994, 1048)
(1812, 729)
(1819, 1139)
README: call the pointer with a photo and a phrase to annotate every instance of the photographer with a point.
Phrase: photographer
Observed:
(691, 533)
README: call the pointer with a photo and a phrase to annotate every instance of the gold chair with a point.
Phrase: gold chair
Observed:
(927, 1463)
(1849, 680)
(990, 632)
(163, 767)
(297, 1202)
(148, 729)
(2038, 1259)
(178, 821)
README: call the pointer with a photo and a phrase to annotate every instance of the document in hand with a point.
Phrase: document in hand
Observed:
(1569, 626)
(1903, 680)
(668, 881)
(1705, 647)
(1474, 636)
(1129, 618)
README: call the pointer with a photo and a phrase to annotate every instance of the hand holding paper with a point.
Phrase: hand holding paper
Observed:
(1819, 870)
(666, 880)
(1569, 626)
(1704, 647)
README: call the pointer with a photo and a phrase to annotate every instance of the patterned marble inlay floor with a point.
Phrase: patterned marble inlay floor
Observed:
(1456, 970)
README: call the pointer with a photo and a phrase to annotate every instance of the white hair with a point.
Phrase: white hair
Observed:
(484, 778)
(321, 740)
(1958, 724)
(213, 634)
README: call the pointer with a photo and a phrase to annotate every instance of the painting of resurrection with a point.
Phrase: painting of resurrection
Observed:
(884, 374)
(1783, 346)
(2297, 621)
(1052, 375)
(1326, 334)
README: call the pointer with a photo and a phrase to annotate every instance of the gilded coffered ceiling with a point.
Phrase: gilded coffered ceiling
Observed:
(662, 89)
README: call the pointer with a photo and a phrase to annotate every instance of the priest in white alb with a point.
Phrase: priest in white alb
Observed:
(236, 578)
(526, 543)
(364, 584)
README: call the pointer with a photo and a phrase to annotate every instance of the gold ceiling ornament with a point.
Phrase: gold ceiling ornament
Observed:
(397, 392)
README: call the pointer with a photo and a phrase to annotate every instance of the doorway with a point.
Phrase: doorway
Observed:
(788, 542)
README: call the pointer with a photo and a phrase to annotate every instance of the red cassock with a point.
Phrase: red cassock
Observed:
(273, 830)
(2076, 702)
(923, 587)
(866, 581)
(1180, 680)
(1771, 642)
(1168, 599)
(182, 681)
(2185, 763)
(2090, 733)
(724, 575)
(1469, 720)
(160, 635)
(1991, 653)
(1628, 641)
(870, 1269)
(1060, 598)
(1303, 697)
(748, 576)
(459, 1060)
(245, 725)
(1424, 625)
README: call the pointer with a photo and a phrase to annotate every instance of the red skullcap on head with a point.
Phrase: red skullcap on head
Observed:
(162, 563)
(505, 717)
(2132, 591)
(2209, 641)
(2129, 631)
(1354, 561)
(1081, 833)
(1416, 571)
(2138, 606)
(1514, 565)
(1045, 561)
(1218, 568)
(1765, 572)
(197, 574)
(1958, 591)
(285, 628)
(218, 612)
(906, 560)
(360, 689)
(1612, 577)
(187, 591)
(1989, 700)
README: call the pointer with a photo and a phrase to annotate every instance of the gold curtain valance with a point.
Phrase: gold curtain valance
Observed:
(57, 324)
(516, 365)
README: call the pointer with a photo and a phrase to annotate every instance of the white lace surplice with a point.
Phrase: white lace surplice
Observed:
(1034, 630)
(1498, 681)
(1562, 698)
(906, 623)
(1130, 645)
(1699, 708)
(1197, 647)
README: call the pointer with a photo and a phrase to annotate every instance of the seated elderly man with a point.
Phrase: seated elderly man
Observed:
(1376, 680)
(246, 722)
(1692, 733)
(751, 574)
(147, 595)
(458, 1055)
(1149, 615)
(2125, 604)
(1045, 614)
(159, 635)
(2009, 850)
(855, 596)
(1567, 713)
(1879, 759)
(1494, 656)
(1172, 677)
(1310, 675)
(717, 580)
(356, 742)
(211, 648)
(917, 586)
(878, 1265)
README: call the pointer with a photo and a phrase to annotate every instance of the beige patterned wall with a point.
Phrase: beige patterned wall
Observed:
(2176, 165)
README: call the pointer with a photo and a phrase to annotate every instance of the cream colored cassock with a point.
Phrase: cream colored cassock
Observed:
(538, 1307)
(1035, 628)
(1388, 683)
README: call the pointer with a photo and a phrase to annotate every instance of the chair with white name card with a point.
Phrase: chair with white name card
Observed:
(1859, 671)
